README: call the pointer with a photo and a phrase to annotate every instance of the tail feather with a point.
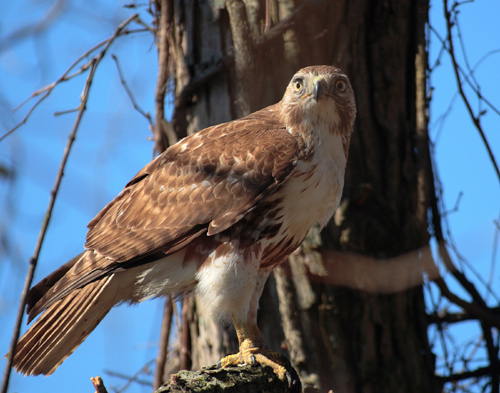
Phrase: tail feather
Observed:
(63, 327)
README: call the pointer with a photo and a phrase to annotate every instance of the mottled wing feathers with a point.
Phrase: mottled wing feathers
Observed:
(203, 184)
(209, 180)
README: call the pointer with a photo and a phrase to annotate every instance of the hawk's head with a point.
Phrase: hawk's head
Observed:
(320, 95)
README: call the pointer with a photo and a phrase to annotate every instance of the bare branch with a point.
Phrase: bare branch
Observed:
(492, 264)
(478, 302)
(478, 373)
(66, 111)
(161, 358)
(66, 76)
(98, 385)
(447, 317)
(479, 308)
(92, 66)
(479, 312)
(185, 356)
(130, 95)
(456, 207)
(43, 230)
(147, 27)
(465, 75)
(131, 379)
(475, 119)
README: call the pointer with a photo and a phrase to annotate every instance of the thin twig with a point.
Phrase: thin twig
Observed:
(92, 66)
(487, 317)
(66, 111)
(66, 76)
(475, 119)
(34, 259)
(477, 308)
(134, 378)
(493, 262)
(147, 27)
(129, 379)
(480, 313)
(465, 75)
(130, 94)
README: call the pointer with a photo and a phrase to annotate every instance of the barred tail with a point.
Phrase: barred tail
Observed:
(63, 327)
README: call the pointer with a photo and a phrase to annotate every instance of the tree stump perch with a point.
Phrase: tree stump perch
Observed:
(243, 379)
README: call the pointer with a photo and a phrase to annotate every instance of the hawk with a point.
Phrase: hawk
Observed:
(214, 214)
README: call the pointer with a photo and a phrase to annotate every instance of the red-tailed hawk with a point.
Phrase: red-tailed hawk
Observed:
(214, 213)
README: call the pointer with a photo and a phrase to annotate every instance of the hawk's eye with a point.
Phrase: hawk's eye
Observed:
(341, 85)
(297, 84)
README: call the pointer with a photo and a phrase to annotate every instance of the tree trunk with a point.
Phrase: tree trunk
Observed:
(232, 58)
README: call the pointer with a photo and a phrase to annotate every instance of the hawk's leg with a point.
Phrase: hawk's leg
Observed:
(253, 349)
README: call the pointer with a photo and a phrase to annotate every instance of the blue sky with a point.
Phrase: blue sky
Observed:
(462, 161)
(113, 144)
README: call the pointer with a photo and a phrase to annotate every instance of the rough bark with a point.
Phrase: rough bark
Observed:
(233, 58)
(245, 379)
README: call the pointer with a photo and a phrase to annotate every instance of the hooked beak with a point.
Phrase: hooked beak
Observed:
(318, 87)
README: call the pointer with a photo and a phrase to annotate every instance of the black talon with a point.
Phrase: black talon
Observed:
(253, 361)
(294, 384)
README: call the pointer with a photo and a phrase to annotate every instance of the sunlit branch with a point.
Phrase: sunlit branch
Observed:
(98, 385)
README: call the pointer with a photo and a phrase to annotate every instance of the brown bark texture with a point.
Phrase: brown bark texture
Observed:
(234, 57)
(245, 379)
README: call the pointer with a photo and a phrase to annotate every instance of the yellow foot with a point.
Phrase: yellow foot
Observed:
(254, 356)
(253, 351)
